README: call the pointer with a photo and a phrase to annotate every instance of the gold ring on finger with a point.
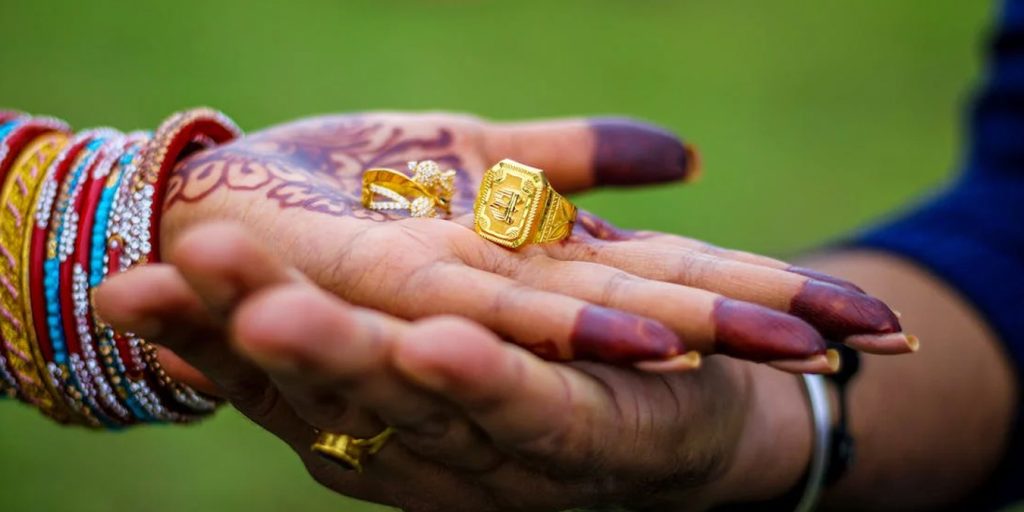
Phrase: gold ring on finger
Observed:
(517, 206)
(348, 451)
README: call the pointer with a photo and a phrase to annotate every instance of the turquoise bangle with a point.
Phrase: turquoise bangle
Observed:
(81, 395)
(104, 335)
(93, 376)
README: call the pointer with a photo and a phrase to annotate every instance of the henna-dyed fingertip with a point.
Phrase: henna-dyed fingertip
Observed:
(756, 333)
(827, 363)
(883, 344)
(839, 312)
(628, 152)
(613, 336)
(681, 363)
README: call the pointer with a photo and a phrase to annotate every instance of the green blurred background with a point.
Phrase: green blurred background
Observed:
(813, 118)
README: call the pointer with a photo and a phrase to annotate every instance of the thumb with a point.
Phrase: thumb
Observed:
(578, 154)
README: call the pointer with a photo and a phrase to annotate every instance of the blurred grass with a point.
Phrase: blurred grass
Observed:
(813, 118)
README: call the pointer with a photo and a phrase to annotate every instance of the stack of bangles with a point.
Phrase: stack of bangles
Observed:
(77, 208)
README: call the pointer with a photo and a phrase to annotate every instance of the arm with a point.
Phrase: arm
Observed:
(930, 428)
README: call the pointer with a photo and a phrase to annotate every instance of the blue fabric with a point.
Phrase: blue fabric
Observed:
(972, 233)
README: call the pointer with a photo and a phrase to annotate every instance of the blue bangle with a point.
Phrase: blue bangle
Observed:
(104, 335)
(65, 368)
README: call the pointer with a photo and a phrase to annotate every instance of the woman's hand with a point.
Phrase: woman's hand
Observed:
(604, 294)
(482, 424)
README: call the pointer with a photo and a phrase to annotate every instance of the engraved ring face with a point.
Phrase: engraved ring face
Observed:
(506, 209)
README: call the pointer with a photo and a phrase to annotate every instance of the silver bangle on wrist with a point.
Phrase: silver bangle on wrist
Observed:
(821, 416)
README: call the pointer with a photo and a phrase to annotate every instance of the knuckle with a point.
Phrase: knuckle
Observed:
(570, 441)
(614, 288)
(217, 243)
(323, 407)
(579, 248)
(511, 300)
(697, 268)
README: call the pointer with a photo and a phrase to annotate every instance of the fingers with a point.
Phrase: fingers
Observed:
(340, 354)
(577, 154)
(179, 370)
(706, 321)
(603, 230)
(172, 314)
(224, 267)
(321, 354)
(188, 315)
(537, 409)
(222, 263)
(551, 325)
(175, 318)
(838, 313)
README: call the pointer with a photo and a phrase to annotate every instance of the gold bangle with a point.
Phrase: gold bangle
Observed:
(20, 191)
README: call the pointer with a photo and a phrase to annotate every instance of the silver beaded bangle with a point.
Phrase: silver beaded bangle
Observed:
(821, 415)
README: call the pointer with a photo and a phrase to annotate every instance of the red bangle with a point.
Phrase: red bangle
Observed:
(80, 314)
(56, 175)
(10, 115)
(177, 137)
(69, 228)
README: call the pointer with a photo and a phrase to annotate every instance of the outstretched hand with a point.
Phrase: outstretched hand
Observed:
(482, 424)
(627, 298)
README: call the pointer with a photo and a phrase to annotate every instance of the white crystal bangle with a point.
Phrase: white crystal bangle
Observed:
(821, 416)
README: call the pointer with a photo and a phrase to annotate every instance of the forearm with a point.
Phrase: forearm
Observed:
(931, 427)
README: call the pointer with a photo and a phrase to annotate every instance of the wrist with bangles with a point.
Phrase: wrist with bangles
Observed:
(78, 208)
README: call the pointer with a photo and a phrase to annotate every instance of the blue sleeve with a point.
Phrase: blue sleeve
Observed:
(972, 232)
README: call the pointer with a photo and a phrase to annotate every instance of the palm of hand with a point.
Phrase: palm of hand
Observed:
(317, 165)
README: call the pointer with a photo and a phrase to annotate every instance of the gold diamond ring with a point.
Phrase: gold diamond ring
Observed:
(428, 190)
(517, 206)
(350, 452)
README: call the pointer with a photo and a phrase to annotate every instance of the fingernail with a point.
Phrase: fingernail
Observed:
(827, 363)
(839, 312)
(884, 344)
(628, 152)
(821, 276)
(694, 164)
(681, 363)
(612, 336)
(757, 333)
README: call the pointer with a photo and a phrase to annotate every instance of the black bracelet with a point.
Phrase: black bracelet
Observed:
(842, 452)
